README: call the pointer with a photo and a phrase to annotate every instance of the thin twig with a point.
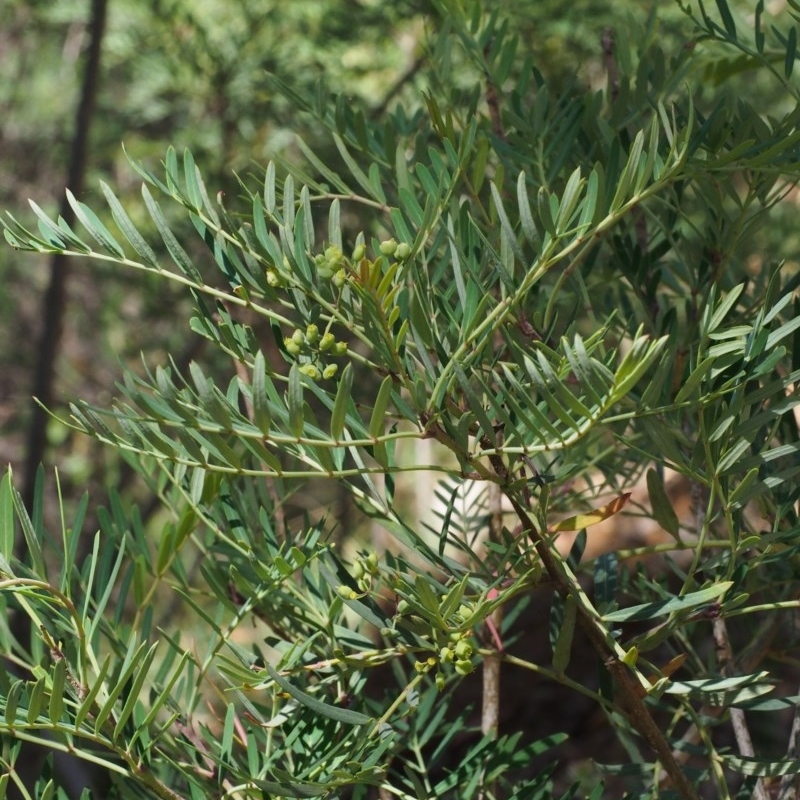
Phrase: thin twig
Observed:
(490, 698)
(628, 696)
(789, 783)
(727, 668)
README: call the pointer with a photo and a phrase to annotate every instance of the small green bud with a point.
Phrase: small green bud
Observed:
(340, 349)
(403, 607)
(330, 371)
(440, 681)
(463, 649)
(372, 562)
(327, 341)
(346, 593)
(291, 346)
(312, 333)
(325, 271)
(464, 667)
(274, 279)
(287, 265)
(464, 612)
(319, 259)
(310, 371)
(446, 655)
(339, 278)
(388, 247)
(420, 667)
(402, 252)
(333, 255)
(299, 338)
(358, 569)
(359, 252)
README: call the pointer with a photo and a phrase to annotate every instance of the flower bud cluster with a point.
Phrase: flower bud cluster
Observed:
(454, 647)
(365, 569)
(309, 344)
(334, 266)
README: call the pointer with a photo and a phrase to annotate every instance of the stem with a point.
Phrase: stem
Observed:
(738, 721)
(628, 694)
(54, 303)
(490, 696)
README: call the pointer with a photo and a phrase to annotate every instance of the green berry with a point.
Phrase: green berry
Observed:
(327, 341)
(402, 252)
(463, 649)
(464, 667)
(274, 279)
(333, 255)
(388, 247)
(464, 612)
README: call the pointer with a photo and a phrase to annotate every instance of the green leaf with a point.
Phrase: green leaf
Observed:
(133, 658)
(663, 512)
(566, 631)
(36, 699)
(178, 254)
(6, 516)
(294, 402)
(226, 744)
(343, 399)
(262, 415)
(129, 229)
(525, 214)
(91, 222)
(715, 685)
(791, 52)
(765, 768)
(727, 18)
(377, 420)
(343, 715)
(135, 690)
(12, 702)
(692, 383)
(721, 311)
(88, 702)
(661, 608)
(57, 691)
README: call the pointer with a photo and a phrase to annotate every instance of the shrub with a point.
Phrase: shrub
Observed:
(560, 288)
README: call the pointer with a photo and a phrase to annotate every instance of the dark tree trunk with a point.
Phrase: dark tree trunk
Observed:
(72, 774)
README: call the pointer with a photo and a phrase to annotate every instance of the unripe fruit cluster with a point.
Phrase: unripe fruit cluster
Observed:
(310, 343)
(454, 647)
(365, 569)
(332, 264)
